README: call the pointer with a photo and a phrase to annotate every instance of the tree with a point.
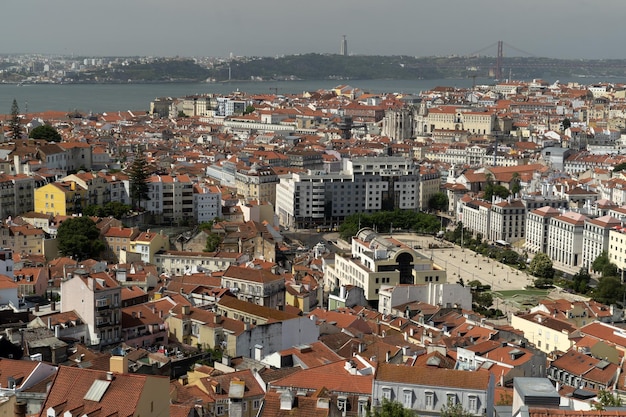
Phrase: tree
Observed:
(567, 123)
(619, 167)
(213, 242)
(249, 109)
(78, 237)
(600, 262)
(516, 183)
(392, 409)
(113, 208)
(509, 257)
(438, 201)
(483, 300)
(46, 132)
(454, 409)
(580, 281)
(607, 399)
(609, 270)
(541, 266)
(138, 176)
(609, 290)
(495, 190)
(15, 124)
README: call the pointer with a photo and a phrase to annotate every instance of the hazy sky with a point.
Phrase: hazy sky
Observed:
(544, 28)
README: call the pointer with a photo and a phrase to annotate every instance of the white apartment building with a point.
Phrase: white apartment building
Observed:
(537, 224)
(508, 220)
(476, 216)
(207, 202)
(596, 238)
(301, 199)
(16, 194)
(97, 300)
(365, 185)
(185, 262)
(171, 197)
(565, 238)
(617, 248)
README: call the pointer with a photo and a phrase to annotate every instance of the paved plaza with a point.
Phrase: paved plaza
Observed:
(464, 263)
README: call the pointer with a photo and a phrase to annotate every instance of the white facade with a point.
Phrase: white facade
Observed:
(443, 294)
(596, 238)
(508, 220)
(476, 216)
(617, 248)
(98, 302)
(537, 224)
(207, 203)
(565, 238)
(376, 262)
(179, 262)
(365, 185)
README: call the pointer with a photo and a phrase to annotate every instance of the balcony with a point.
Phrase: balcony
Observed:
(103, 322)
(102, 303)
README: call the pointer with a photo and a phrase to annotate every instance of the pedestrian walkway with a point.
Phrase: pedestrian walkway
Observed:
(464, 263)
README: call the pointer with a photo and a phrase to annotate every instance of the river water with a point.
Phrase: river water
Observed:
(98, 98)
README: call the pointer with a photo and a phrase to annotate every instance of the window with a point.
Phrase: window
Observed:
(451, 398)
(342, 403)
(407, 398)
(387, 393)
(219, 410)
(256, 404)
(429, 400)
(472, 404)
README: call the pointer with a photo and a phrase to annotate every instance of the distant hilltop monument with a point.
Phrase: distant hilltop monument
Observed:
(344, 46)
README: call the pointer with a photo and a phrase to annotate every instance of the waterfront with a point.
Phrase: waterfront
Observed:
(98, 98)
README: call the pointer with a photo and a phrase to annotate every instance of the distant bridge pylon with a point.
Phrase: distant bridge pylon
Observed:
(497, 72)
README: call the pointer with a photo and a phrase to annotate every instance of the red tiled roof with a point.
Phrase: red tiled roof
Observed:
(439, 377)
(333, 376)
(70, 386)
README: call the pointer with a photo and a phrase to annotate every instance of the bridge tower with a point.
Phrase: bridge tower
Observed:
(499, 61)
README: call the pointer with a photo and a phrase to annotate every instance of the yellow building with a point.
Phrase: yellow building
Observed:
(197, 327)
(148, 243)
(60, 198)
(546, 332)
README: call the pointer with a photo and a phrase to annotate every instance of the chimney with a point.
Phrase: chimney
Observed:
(258, 352)
(19, 409)
(226, 360)
(110, 376)
(118, 364)
(185, 310)
(286, 400)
